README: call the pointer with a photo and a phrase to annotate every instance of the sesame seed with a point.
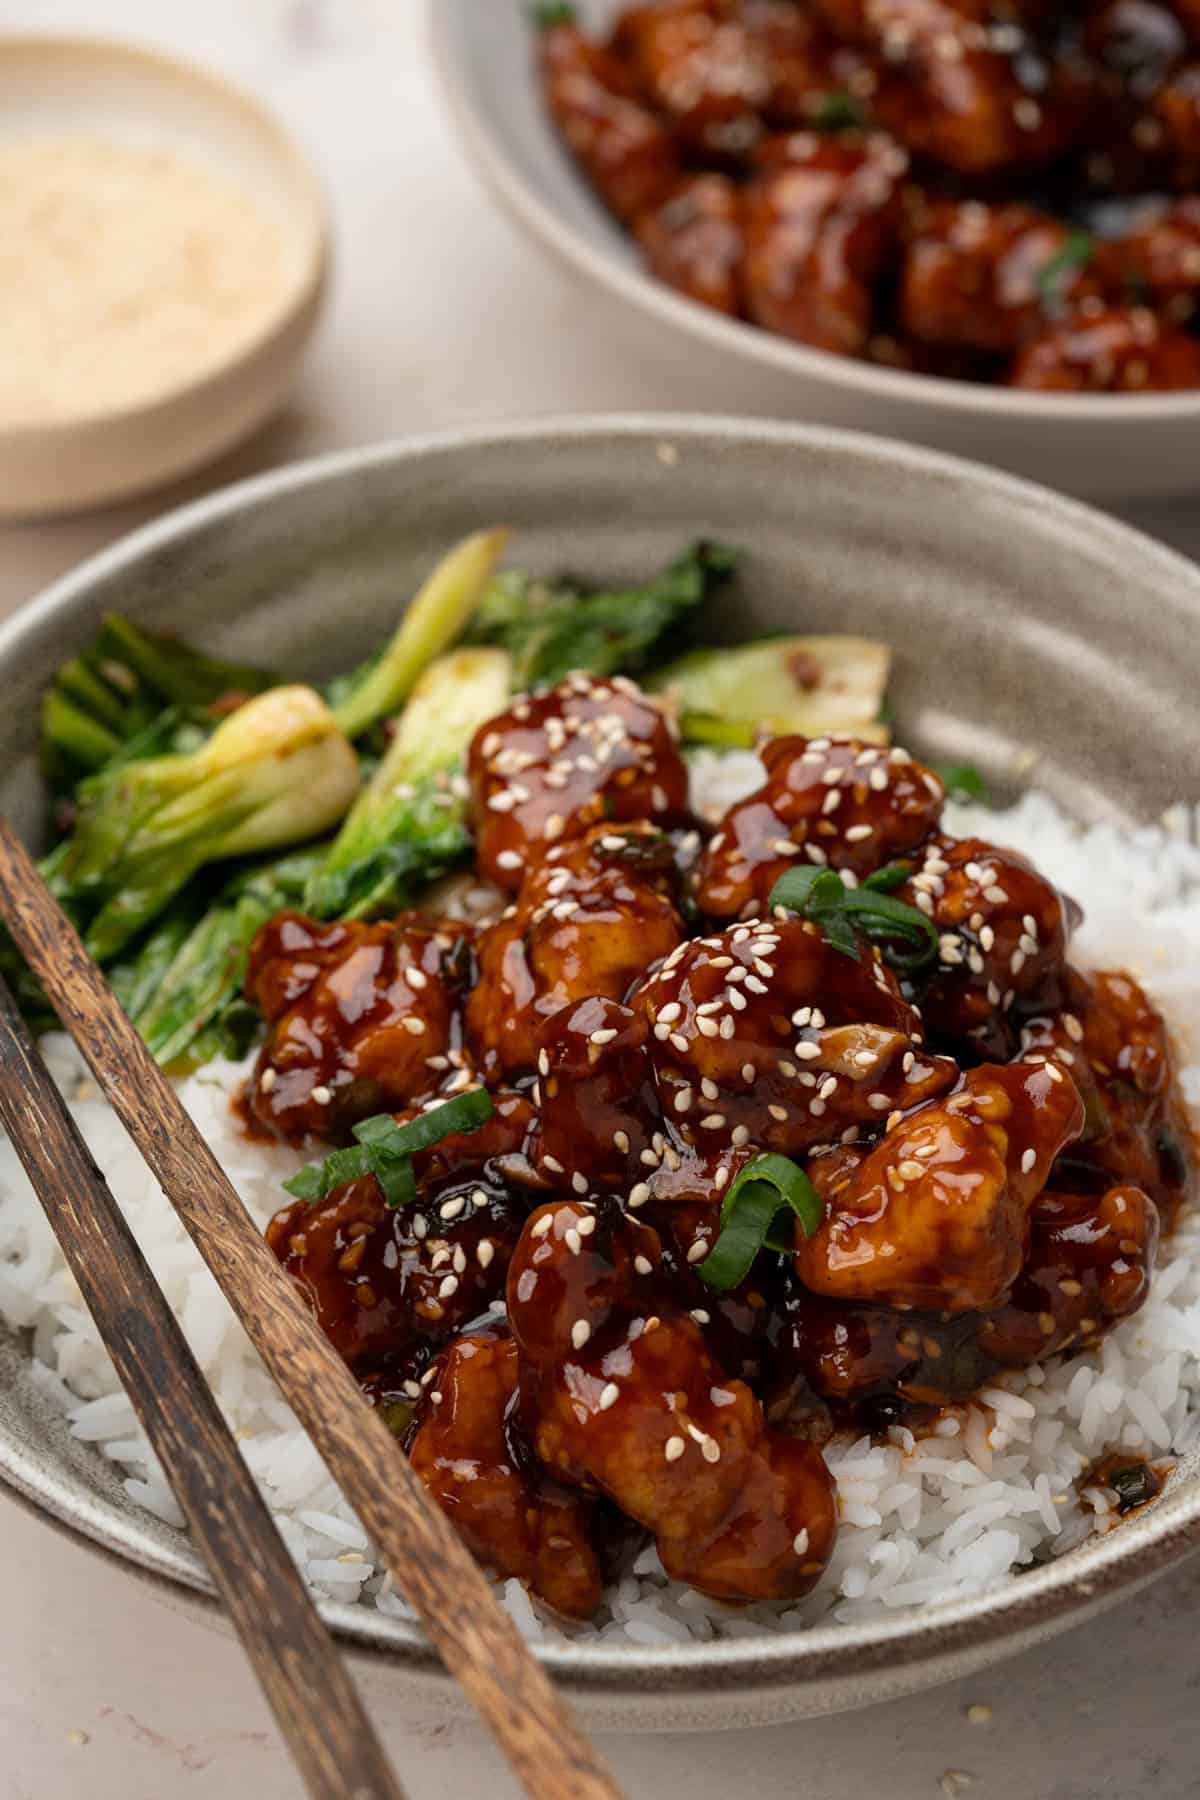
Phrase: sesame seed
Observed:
(879, 1102)
(710, 1450)
(1072, 1027)
(267, 1080)
(877, 780)
(683, 1100)
(449, 1286)
(553, 1164)
(910, 1169)
(610, 1393)
(542, 1225)
(502, 802)
(857, 833)
(603, 1036)
(673, 1449)
(485, 1250)
(639, 1193)
(807, 1051)
(1028, 1161)
(698, 1251)
(712, 1121)
(800, 1543)
(579, 1182)
(995, 894)
(572, 1240)
(450, 1209)
(581, 1331)
(700, 1316)
(832, 801)
(979, 1713)
(748, 1073)
(321, 1096)
(680, 1042)
(741, 1137)
(414, 1026)
(778, 1112)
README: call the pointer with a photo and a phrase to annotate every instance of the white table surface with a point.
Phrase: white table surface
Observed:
(442, 315)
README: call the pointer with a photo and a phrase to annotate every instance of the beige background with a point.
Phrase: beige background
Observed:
(441, 315)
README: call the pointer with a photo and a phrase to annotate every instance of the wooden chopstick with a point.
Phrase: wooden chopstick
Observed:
(302, 1675)
(476, 1639)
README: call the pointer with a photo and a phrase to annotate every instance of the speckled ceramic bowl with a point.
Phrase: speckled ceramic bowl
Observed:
(1110, 447)
(1026, 628)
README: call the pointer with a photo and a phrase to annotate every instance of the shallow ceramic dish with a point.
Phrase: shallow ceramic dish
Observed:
(1112, 447)
(119, 92)
(1010, 611)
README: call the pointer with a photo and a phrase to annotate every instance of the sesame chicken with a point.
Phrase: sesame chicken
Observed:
(937, 1215)
(584, 753)
(1118, 350)
(590, 915)
(835, 802)
(629, 1401)
(513, 1519)
(363, 1019)
(627, 152)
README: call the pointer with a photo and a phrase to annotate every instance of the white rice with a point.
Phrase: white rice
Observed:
(994, 1489)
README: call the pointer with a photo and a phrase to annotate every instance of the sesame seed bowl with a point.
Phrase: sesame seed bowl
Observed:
(1106, 446)
(1006, 610)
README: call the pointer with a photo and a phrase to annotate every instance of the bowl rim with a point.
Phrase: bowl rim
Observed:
(304, 289)
(1042, 1598)
(498, 171)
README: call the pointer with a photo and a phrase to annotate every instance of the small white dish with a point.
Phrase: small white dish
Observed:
(57, 87)
(1113, 447)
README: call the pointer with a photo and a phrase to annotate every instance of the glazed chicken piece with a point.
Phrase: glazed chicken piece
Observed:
(599, 1107)
(1161, 256)
(961, 85)
(629, 1401)
(1113, 1043)
(1177, 107)
(628, 154)
(821, 224)
(517, 1523)
(983, 276)
(765, 1035)
(693, 241)
(832, 801)
(805, 64)
(1121, 350)
(384, 1282)
(1003, 933)
(555, 763)
(590, 916)
(364, 1019)
(695, 62)
(937, 1215)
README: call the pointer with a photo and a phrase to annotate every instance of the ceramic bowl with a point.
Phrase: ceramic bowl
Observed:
(1113, 447)
(102, 89)
(1010, 612)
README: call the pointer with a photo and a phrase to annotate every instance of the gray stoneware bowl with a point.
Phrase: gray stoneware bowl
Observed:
(1022, 624)
(1107, 447)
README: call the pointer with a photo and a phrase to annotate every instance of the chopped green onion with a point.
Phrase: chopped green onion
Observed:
(892, 875)
(766, 1187)
(839, 111)
(1054, 277)
(963, 781)
(841, 912)
(385, 1149)
(551, 13)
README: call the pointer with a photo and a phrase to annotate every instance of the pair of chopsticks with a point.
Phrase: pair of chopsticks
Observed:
(309, 1690)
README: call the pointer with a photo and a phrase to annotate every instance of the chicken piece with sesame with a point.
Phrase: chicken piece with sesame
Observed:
(1003, 932)
(1161, 256)
(628, 1400)
(983, 276)
(386, 1283)
(363, 1018)
(697, 65)
(1116, 350)
(591, 915)
(821, 224)
(555, 763)
(937, 1215)
(765, 1035)
(513, 1520)
(1113, 1042)
(831, 801)
(693, 241)
(599, 1106)
(627, 152)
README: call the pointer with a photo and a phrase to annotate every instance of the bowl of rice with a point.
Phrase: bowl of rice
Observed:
(1007, 612)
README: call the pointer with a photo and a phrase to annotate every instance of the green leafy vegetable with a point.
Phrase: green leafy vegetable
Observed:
(433, 622)
(1057, 272)
(732, 696)
(761, 1191)
(551, 13)
(385, 1149)
(963, 781)
(551, 630)
(276, 772)
(842, 913)
(409, 824)
(183, 988)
